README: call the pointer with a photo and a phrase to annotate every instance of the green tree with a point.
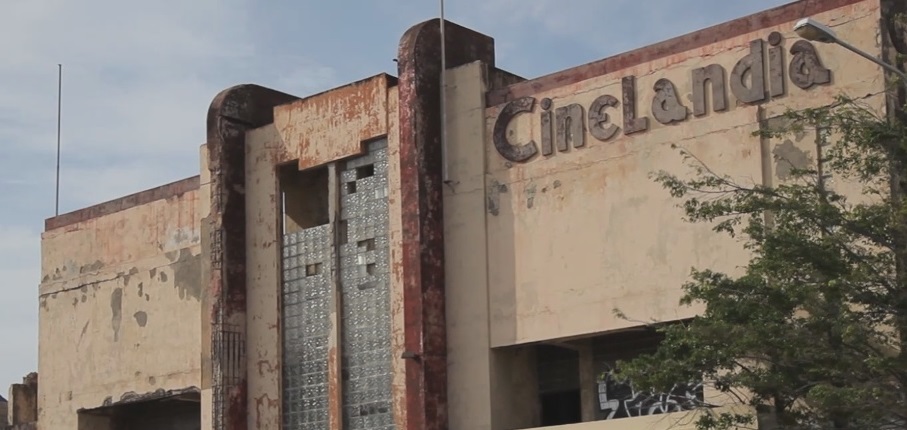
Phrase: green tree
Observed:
(813, 333)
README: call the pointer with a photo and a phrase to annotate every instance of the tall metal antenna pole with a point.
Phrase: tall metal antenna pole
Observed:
(59, 111)
(444, 172)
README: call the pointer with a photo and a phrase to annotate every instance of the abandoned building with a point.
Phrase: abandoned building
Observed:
(20, 412)
(359, 259)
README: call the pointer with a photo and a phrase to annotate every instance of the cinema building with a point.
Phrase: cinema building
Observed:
(336, 264)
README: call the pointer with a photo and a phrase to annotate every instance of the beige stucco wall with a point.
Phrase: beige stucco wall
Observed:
(263, 271)
(465, 249)
(548, 249)
(204, 320)
(395, 241)
(587, 231)
(119, 308)
(676, 421)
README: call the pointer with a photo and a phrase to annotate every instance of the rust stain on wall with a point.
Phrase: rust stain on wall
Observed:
(232, 113)
(263, 404)
(421, 201)
(266, 366)
(335, 123)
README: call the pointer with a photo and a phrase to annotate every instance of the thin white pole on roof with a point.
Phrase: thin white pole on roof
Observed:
(59, 111)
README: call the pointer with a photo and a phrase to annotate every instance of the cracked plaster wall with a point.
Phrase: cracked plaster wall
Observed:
(119, 307)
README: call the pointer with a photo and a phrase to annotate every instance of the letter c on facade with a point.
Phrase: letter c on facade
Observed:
(518, 153)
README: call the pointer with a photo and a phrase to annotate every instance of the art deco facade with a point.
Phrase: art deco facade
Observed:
(335, 266)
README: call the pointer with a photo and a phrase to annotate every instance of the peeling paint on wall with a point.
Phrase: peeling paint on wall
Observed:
(88, 268)
(116, 308)
(141, 318)
(789, 158)
(128, 276)
(530, 195)
(494, 196)
(186, 274)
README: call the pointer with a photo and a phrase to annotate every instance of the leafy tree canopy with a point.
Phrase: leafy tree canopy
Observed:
(812, 333)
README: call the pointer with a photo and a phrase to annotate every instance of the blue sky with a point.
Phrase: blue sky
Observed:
(138, 78)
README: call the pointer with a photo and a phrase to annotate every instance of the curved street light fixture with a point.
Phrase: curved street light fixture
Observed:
(815, 31)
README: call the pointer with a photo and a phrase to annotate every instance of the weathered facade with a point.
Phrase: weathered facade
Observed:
(336, 265)
(20, 412)
(120, 310)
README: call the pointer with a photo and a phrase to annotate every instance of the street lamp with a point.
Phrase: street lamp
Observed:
(815, 31)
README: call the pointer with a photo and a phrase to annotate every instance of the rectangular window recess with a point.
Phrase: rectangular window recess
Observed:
(313, 269)
(365, 171)
(366, 245)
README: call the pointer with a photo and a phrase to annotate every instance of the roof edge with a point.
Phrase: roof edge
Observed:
(697, 39)
(122, 203)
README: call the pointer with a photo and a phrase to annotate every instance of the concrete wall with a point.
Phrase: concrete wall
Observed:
(119, 302)
(536, 249)
(22, 407)
(576, 234)
(546, 248)
(308, 133)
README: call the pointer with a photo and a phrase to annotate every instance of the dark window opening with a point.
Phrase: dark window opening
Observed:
(365, 171)
(180, 412)
(567, 381)
(305, 197)
(561, 408)
(558, 385)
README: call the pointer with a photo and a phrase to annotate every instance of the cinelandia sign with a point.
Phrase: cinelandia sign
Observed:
(564, 126)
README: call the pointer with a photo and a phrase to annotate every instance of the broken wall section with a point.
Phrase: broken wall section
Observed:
(20, 411)
(120, 302)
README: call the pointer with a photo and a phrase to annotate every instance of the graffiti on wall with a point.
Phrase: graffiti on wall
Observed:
(619, 399)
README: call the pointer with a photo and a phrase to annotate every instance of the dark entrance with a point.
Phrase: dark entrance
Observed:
(152, 412)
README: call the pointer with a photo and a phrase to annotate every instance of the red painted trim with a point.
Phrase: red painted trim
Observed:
(422, 264)
(232, 112)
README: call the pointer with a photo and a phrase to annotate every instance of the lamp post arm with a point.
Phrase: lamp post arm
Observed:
(875, 60)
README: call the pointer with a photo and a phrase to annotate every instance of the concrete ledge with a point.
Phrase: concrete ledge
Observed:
(707, 36)
(120, 204)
